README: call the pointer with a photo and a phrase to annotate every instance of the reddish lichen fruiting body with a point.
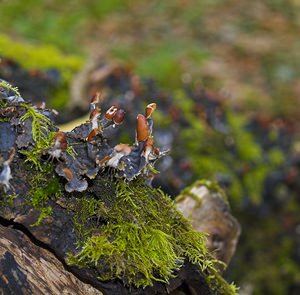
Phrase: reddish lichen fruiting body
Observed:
(95, 100)
(120, 150)
(68, 174)
(148, 148)
(61, 140)
(119, 117)
(60, 145)
(142, 128)
(110, 113)
(92, 135)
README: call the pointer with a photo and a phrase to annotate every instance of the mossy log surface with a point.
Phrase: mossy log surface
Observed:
(37, 256)
(95, 220)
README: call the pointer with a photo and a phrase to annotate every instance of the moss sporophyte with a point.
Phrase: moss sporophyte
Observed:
(125, 228)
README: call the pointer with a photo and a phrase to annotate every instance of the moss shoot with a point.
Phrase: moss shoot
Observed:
(6, 85)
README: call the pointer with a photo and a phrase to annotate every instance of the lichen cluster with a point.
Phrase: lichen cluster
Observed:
(125, 228)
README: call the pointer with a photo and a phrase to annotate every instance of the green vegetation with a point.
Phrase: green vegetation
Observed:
(7, 201)
(44, 186)
(44, 57)
(143, 237)
(41, 133)
(211, 185)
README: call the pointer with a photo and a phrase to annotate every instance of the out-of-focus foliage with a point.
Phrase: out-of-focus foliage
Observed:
(55, 69)
(248, 48)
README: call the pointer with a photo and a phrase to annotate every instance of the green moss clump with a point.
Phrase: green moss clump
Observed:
(212, 186)
(7, 201)
(44, 187)
(140, 237)
(86, 209)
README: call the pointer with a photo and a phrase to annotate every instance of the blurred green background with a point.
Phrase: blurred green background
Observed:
(249, 49)
(246, 50)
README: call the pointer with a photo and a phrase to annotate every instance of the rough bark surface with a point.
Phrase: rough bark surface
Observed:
(26, 268)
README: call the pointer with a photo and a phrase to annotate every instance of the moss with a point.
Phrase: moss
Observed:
(44, 213)
(141, 237)
(211, 185)
(39, 57)
(86, 209)
(8, 86)
(187, 192)
(44, 187)
(7, 201)
(41, 134)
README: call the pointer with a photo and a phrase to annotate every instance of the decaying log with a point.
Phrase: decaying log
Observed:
(33, 250)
